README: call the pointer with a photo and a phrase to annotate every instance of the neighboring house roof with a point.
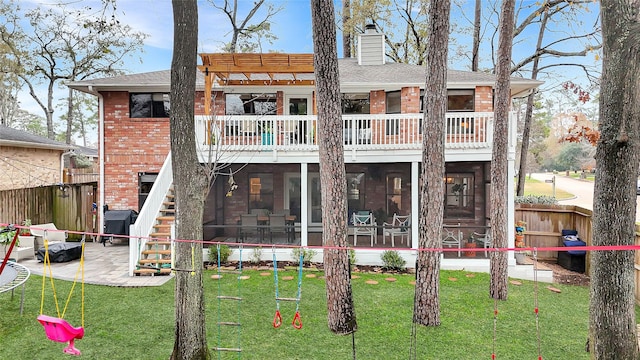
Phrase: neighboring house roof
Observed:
(86, 151)
(354, 77)
(158, 81)
(19, 138)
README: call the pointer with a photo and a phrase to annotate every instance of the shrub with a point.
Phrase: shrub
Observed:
(352, 257)
(256, 254)
(225, 252)
(307, 254)
(536, 199)
(392, 260)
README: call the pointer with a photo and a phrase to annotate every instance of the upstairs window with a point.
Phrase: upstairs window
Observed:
(355, 103)
(393, 102)
(457, 100)
(250, 104)
(149, 105)
(460, 100)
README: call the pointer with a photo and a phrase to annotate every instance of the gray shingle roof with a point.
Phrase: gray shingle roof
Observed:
(390, 76)
(13, 137)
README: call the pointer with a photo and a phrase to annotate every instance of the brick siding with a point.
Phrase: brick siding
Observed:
(28, 167)
(141, 144)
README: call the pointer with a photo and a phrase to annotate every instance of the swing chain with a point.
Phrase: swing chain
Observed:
(277, 319)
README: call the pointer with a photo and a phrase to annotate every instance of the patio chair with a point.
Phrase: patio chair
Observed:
(249, 227)
(483, 239)
(452, 237)
(277, 225)
(364, 225)
(400, 226)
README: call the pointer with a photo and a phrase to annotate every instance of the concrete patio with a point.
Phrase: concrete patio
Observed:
(103, 265)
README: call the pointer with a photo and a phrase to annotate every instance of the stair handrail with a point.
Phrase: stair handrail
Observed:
(143, 226)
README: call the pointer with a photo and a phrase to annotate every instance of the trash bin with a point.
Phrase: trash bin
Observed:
(573, 260)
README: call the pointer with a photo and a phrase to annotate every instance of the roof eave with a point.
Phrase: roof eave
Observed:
(32, 145)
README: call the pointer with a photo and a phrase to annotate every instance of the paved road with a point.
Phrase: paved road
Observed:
(583, 191)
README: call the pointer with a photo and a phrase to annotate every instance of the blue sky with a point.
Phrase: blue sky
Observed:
(154, 17)
(292, 26)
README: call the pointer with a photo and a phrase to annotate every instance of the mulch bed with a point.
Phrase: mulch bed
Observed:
(567, 277)
(560, 274)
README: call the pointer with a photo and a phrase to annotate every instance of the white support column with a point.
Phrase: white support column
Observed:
(415, 203)
(511, 208)
(304, 204)
(511, 173)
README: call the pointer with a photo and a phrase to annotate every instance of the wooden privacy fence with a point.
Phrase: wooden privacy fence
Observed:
(69, 207)
(546, 222)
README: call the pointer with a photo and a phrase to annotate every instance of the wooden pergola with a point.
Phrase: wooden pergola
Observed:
(244, 69)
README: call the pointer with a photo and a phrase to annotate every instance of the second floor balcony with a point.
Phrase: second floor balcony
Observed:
(471, 131)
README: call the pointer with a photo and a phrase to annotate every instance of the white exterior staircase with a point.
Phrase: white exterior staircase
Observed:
(150, 249)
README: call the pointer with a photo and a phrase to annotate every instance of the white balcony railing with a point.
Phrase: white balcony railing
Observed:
(365, 132)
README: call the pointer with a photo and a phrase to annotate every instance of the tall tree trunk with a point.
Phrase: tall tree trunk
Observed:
(70, 105)
(612, 326)
(475, 57)
(499, 158)
(526, 131)
(190, 187)
(49, 110)
(346, 35)
(426, 306)
(341, 314)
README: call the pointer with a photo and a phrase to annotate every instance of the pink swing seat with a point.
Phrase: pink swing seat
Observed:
(61, 331)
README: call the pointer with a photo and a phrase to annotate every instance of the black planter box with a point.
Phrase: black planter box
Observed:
(571, 262)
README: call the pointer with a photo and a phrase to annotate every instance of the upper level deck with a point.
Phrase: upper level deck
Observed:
(468, 136)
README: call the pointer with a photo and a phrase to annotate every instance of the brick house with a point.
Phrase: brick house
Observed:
(30, 160)
(259, 119)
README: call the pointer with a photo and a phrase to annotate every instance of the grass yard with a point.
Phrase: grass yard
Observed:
(536, 187)
(137, 323)
(589, 176)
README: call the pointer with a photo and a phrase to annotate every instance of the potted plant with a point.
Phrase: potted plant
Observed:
(5, 240)
(470, 244)
(267, 135)
(25, 237)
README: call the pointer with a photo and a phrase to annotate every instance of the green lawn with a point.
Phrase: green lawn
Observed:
(137, 323)
(589, 176)
(536, 187)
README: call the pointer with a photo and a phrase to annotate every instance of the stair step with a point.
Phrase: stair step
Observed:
(156, 252)
(158, 243)
(227, 349)
(167, 211)
(154, 261)
(169, 203)
(171, 196)
(162, 226)
(152, 271)
(166, 218)
(163, 235)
